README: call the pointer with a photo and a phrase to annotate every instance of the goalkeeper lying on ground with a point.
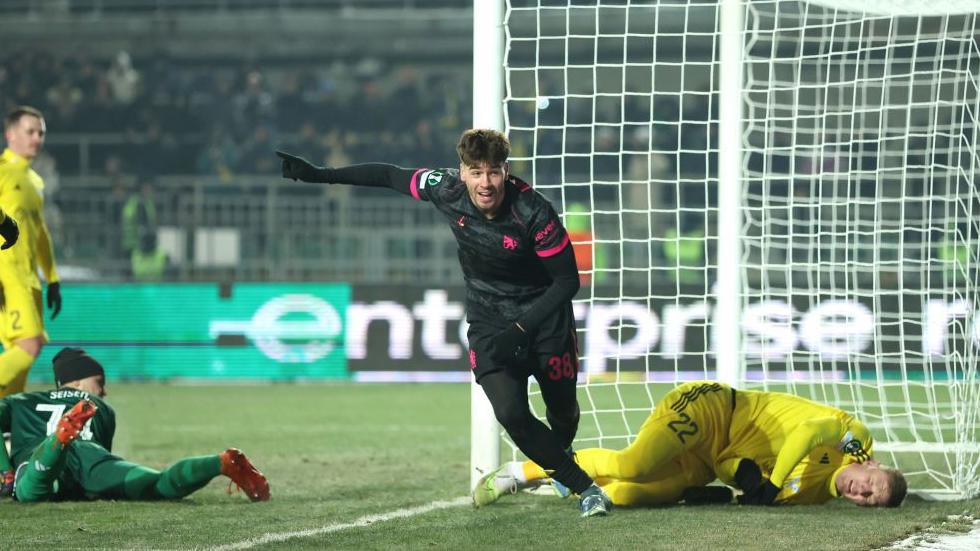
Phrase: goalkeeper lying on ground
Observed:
(775, 447)
(68, 456)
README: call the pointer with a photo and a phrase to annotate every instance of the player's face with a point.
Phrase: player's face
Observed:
(865, 484)
(485, 184)
(26, 136)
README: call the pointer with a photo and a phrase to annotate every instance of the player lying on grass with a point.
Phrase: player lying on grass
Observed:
(776, 447)
(68, 456)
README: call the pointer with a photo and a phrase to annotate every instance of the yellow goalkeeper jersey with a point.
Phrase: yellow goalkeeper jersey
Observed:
(21, 197)
(799, 444)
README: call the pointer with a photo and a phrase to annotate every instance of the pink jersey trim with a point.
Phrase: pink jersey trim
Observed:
(554, 250)
(411, 185)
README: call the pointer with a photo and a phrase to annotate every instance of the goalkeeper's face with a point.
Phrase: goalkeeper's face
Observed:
(485, 184)
(865, 484)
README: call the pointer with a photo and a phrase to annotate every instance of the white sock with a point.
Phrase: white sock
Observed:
(511, 478)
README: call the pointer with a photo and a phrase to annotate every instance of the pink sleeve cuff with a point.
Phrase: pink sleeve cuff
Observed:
(413, 187)
(554, 250)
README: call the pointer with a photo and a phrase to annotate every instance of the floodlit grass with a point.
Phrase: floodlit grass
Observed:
(335, 453)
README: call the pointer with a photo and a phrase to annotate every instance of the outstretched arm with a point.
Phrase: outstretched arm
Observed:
(368, 174)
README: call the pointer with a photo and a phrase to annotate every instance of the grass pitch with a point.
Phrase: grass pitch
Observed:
(337, 453)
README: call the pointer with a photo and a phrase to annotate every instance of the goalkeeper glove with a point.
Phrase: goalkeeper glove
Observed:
(9, 231)
(54, 298)
(510, 344)
(298, 168)
(748, 475)
(763, 494)
(6, 483)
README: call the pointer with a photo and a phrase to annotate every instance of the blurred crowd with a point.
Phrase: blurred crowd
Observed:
(126, 121)
(159, 115)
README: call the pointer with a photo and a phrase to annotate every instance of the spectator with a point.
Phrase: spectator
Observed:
(255, 158)
(310, 145)
(123, 79)
(255, 105)
(64, 99)
(139, 215)
(219, 156)
(149, 262)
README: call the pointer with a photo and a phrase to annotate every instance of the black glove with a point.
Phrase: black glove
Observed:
(54, 298)
(763, 494)
(510, 344)
(748, 475)
(6, 483)
(9, 231)
(298, 168)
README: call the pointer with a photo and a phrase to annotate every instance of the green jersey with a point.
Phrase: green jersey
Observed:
(30, 416)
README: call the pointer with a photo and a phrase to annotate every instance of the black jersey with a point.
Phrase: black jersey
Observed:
(500, 257)
(519, 266)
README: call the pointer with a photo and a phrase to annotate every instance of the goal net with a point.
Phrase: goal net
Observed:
(808, 221)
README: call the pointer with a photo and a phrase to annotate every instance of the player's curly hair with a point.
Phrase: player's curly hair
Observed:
(483, 145)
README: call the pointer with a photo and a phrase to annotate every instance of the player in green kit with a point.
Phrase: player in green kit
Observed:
(61, 441)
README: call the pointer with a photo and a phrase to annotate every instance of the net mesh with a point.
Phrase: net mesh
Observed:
(858, 197)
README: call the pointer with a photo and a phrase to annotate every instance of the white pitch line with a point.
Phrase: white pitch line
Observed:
(330, 528)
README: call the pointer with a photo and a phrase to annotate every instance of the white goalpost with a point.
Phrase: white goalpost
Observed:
(779, 194)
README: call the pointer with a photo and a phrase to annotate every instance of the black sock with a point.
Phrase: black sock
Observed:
(572, 476)
(539, 443)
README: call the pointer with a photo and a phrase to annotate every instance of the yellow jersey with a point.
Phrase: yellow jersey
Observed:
(799, 444)
(21, 197)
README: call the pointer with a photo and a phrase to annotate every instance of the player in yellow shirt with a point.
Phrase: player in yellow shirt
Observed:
(776, 447)
(21, 315)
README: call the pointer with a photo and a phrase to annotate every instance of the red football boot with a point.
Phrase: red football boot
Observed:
(239, 469)
(71, 423)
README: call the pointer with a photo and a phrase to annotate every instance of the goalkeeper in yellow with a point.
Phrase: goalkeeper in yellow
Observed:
(21, 315)
(775, 447)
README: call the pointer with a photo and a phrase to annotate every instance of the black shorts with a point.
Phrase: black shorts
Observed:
(552, 351)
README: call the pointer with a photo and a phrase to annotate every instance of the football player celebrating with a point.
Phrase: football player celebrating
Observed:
(68, 455)
(776, 447)
(520, 275)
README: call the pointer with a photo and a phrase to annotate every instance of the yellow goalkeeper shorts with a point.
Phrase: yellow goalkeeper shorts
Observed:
(21, 314)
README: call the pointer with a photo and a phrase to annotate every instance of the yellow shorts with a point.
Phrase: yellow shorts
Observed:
(21, 314)
(692, 420)
(694, 417)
